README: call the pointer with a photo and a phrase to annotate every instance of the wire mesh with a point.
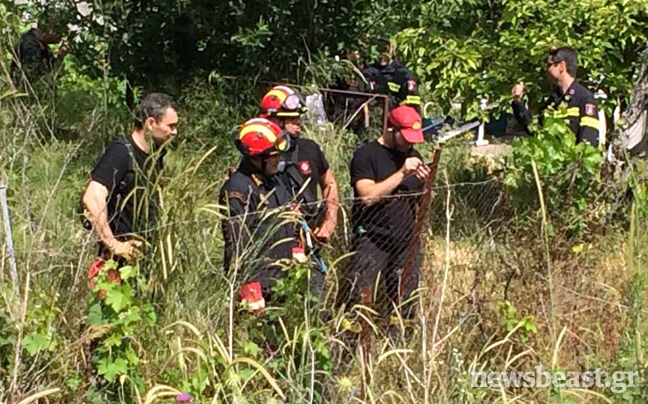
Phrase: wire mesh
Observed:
(389, 252)
(383, 254)
(383, 251)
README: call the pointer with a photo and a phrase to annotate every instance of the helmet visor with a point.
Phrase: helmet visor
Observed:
(283, 141)
(293, 102)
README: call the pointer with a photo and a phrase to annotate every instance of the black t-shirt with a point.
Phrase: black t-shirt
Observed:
(392, 219)
(33, 55)
(129, 211)
(307, 164)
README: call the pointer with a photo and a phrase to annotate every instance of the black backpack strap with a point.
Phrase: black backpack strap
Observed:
(130, 174)
(296, 179)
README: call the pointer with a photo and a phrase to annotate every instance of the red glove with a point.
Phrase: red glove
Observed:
(95, 268)
(251, 293)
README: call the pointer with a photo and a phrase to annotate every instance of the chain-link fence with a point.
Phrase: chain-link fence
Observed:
(395, 245)
(384, 250)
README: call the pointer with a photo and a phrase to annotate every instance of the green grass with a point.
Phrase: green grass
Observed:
(485, 286)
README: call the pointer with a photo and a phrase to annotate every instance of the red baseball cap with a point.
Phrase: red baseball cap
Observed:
(408, 120)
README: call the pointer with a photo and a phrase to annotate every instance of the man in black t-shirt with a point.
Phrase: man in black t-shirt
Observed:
(387, 175)
(305, 163)
(121, 199)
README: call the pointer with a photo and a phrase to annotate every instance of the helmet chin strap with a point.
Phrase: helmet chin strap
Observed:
(256, 169)
(264, 164)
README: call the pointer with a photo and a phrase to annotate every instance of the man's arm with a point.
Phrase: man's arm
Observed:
(57, 62)
(520, 111)
(330, 192)
(371, 191)
(95, 201)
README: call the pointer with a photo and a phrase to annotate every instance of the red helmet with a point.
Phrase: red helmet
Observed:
(260, 136)
(282, 101)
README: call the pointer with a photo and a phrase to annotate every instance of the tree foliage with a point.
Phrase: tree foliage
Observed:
(460, 49)
(477, 49)
(161, 43)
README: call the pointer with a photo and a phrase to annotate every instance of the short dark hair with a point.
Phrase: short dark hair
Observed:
(565, 54)
(384, 44)
(153, 106)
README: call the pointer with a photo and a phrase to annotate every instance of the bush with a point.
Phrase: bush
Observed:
(569, 174)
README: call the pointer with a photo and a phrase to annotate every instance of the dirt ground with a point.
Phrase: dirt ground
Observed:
(498, 148)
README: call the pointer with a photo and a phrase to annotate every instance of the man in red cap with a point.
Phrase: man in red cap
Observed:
(387, 175)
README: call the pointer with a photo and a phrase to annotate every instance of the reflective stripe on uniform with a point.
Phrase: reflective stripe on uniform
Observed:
(412, 100)
(590, 122)
(571, 112)
(394, 87)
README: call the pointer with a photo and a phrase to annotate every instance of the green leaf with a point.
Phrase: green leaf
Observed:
(150, 316)
(110, 264)
(113, 340)
(95, 315)
(131, 316)
(128, 272)
(109, 369)
(246, 374)
(251, 348)
(131, 356)
(73, 382)
(6, 341)
(118, 300)
(35, 342)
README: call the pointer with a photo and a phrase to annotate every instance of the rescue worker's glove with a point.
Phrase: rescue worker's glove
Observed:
(251, 296)
(95, 269)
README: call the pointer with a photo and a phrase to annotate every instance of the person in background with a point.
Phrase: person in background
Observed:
(33, 56)
(402, 85)
(582, 112)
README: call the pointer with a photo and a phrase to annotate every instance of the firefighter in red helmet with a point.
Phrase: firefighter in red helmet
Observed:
(305, 170)
(254, 241)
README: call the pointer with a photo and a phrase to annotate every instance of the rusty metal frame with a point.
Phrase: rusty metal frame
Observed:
(424, 206)
(353, 94)
(358, 94)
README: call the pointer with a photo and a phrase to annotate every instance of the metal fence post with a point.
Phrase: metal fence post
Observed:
(7, 228)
